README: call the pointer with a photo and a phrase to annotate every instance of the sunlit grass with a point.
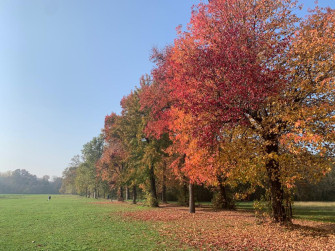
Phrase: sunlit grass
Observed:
(31, 222)
(317, 211)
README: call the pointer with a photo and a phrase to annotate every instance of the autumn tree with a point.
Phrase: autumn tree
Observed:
(157, 99)
(91, 153)
(69, 176)
(80, 177)
(132, 134)
(138, 154)
(112, 165)
(154, 144)
(247, 64)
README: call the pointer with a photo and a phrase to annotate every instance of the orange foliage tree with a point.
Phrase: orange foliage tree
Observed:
(247, 64)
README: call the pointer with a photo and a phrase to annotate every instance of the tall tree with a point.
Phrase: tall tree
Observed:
(91, 153)
(69, 176)
(156, 97)
(113, 163)
(243, 63)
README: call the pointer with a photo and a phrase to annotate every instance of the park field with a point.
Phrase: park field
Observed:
(31, 222)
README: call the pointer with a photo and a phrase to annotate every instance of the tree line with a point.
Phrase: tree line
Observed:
(21, 181)
(242, 100)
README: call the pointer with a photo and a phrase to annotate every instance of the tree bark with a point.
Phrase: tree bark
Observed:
(134, 195)
(185, 201)
(120, 194)
(127, 193)
(276, 189)
(191, 198)
(164, 185)
(222, 193)
(153, 192)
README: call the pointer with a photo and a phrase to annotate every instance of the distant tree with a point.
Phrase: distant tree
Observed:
(91, 153)
(85, 180)
(69, 176)
(21, 181)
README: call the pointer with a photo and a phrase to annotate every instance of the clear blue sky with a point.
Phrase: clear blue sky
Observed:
(66, 64)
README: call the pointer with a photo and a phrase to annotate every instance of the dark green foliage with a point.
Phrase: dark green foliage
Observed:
(223, 201)
(321, 191)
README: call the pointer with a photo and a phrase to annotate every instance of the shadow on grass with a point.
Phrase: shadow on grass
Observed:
(322, 230)
(324, 212)
(315, 213)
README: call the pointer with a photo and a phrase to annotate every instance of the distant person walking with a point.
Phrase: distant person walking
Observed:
(49, 198)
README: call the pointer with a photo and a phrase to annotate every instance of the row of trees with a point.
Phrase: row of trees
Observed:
(243, 98)
(80, 176)
(21, 181)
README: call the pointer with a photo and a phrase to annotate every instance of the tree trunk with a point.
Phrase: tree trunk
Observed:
(127, 193)
(134, 195)
(186, 193)
(222, 194)
(191, 198)
(120, 194)
(276, 189)
(164, 185)
(153, 193)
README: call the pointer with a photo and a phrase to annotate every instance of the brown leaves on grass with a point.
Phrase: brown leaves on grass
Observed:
(232, 230)
(108, 202)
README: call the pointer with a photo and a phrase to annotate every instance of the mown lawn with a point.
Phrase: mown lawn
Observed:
(31, 222)
(316, 211)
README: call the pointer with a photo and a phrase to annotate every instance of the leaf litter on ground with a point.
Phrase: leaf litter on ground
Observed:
(235, 230)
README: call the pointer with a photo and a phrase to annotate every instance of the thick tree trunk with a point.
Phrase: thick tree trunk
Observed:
(120, 194)
(191, 198)
(222, 193)
(276, 189)
(164, 185)
(134, 195)
(153, 192)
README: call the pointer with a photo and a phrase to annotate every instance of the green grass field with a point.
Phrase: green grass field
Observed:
(31, 222)
(316, 211)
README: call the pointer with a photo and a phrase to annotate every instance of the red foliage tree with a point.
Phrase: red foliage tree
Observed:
(226, 64)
